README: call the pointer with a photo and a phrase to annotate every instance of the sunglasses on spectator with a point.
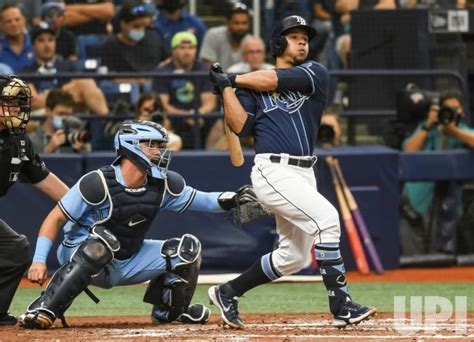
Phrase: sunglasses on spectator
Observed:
(145, 9)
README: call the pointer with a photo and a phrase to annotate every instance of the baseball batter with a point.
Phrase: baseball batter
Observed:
(282, 110)
(106, 215)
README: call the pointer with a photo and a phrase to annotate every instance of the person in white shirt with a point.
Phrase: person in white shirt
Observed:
(253, 57)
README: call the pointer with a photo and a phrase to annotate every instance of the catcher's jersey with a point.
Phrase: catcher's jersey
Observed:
(82, 215)
(287, 121)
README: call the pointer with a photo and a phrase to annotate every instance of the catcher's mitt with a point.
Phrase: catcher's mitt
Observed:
(248, 207)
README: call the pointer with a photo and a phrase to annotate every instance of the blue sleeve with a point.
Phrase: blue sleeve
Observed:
(247, 100)
(192, 199)
(309, 78)
(72, 204)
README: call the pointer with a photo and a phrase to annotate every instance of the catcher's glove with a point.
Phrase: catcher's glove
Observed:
(245, 204)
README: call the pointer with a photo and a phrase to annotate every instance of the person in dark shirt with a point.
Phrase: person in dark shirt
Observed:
(180, 96)
(53, 14)
(84, 90)
(135, 47)
(18, 161)
(88, 16)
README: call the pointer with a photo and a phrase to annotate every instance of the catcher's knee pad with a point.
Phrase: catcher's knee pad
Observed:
(69, 281)
(171, 293)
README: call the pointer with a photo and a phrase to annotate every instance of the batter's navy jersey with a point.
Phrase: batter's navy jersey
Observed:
(287, 120)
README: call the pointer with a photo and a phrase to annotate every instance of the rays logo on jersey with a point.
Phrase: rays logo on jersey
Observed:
(286, 100)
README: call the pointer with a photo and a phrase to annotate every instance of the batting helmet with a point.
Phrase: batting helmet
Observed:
(134, 132)
(278, 40)
(15, 96)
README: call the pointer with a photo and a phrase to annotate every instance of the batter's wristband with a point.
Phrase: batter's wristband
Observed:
(43, 246)
(232, 80)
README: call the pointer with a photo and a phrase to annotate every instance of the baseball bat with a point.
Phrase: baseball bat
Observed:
(352, 235)
(359, 220)
(233, 141)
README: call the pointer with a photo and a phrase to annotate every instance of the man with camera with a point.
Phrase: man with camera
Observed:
(430, 207)
(61, 132)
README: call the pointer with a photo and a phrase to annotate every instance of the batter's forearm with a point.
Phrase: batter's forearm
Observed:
(235, 114)
(262, 80)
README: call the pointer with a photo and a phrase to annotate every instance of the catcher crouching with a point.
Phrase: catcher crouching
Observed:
(105, 217)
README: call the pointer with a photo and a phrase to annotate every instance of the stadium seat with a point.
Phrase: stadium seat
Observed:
(115, 92)
(89, 46)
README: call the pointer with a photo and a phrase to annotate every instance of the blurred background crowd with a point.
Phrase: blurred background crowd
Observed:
(400, 70)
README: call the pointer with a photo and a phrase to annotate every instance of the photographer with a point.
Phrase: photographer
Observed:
(432, 210)
(61, 132)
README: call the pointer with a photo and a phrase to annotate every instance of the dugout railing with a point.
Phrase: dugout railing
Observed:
(371, 112)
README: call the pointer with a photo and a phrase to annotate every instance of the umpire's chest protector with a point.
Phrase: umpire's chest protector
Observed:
(133, 211)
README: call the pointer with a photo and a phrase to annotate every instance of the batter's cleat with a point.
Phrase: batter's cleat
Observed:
(196, 314)
(7, 319)
(352, 313)
(227, 306)
(35, 320)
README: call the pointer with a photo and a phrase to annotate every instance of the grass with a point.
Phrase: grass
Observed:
(271, 298)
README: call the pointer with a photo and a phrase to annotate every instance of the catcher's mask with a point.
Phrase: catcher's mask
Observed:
(144, 143)
(15, 98)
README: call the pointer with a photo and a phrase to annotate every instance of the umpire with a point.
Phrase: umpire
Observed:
(18, 160)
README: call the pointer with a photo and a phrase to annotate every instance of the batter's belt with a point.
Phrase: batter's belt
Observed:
(305, 162)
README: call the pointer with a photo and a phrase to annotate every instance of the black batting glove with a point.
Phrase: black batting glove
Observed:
(219, 81)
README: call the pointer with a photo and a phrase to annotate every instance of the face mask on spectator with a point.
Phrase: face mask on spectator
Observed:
(136, 35)
(57, 122)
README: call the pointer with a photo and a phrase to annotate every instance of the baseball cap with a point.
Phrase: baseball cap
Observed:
(136, 9)
(183, 37)
(52, 7)
(41, 28)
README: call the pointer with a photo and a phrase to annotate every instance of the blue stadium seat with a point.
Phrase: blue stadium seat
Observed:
(114, 92)
(89, 46)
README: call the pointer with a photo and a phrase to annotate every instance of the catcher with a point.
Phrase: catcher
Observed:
(106, 215)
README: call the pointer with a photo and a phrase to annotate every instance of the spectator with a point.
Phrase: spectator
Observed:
(222, 44)
(135, 47)
(330, 132)
(15, 44)
(53, 13)
(150, 108)
(322, 22)
(435, 206)
(31, 9)
(253, 57)
(180, 96)
(84, 91)
(89, 16)
(61, 132)
(173, 19)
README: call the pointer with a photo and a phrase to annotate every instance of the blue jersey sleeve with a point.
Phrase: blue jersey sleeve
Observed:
(247, 100)
(192, 199)
(309, 78)
(72, 204)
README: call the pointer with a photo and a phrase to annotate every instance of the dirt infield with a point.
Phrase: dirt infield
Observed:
(281, 327)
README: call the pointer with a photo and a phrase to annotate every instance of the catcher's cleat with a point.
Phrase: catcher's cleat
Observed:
(352, 313)
(196, 314)
(35, 320)
(227, 306)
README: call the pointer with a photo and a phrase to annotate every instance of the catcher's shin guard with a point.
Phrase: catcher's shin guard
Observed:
(67, 283)
(171, 293)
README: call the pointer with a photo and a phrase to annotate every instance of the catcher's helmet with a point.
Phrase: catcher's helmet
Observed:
(15, 97)
(278, 41)
(127, 144)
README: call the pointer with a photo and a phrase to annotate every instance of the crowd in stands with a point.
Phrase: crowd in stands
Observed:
(48, 37)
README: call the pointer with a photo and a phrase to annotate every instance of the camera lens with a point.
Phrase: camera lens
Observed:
(80, 136)
(446, 115)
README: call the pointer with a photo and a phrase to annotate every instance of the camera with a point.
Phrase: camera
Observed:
(73, 129)
(326, 135)
(413, 103)
(446, 115)
(157, 117)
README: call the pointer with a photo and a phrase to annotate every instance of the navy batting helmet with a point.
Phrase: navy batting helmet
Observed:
(278, 41)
